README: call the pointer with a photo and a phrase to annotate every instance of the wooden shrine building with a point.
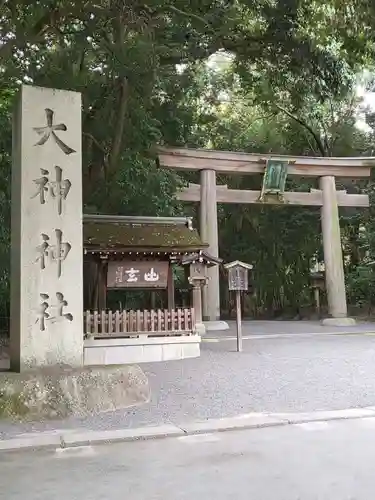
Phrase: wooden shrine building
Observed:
(129, 254)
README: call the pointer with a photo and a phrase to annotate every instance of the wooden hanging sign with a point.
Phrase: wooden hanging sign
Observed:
(137, 274)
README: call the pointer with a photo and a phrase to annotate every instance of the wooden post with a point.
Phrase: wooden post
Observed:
(170, 288)
(209, 234)
(317, 299)
(197, 302)
(333, 259)
(95, 289)
(197, 284)
(238, 280)
(187, 296)
(238, 321)
(102, 285)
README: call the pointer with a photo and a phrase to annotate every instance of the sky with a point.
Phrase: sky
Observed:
(368, 102)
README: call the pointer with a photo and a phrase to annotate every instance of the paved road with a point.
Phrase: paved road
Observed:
(316, 461)
(271, 375)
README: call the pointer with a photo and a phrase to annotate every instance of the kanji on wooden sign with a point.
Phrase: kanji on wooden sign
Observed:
(137, 274)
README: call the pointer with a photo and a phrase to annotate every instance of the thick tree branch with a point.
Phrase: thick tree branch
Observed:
(95, 141)
(119, 127)
(49, 20)
(189, 15)
(316, 137)
(308, 139)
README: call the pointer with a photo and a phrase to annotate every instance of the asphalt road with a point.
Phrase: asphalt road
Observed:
(271, 375)
(314, 461)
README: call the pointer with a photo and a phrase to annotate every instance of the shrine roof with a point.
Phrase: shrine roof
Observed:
(128, 234)
(202, 257)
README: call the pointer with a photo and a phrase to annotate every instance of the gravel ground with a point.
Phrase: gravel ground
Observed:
(271, 375)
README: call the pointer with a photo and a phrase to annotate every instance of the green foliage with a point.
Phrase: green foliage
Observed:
(6, 98)
(360, 286)
(280, 79)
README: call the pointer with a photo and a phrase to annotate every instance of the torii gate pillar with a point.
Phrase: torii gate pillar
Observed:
(333, 259)
(209, 234)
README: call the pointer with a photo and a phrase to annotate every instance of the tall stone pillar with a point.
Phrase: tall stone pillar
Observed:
(47, 257)
(209, 234)
(333, 259)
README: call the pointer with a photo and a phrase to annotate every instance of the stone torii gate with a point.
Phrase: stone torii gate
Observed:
(208, 193)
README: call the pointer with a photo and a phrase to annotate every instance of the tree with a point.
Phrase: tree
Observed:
(141, 68)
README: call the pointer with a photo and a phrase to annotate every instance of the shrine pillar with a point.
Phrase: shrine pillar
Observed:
(333, 258)
(209, 234)
(170, 288)
(46, 323)
(102, 284)
(197, 302)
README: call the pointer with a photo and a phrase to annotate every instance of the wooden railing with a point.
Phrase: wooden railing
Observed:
(134, 323)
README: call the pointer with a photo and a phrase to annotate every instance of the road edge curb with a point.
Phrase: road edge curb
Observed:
(240, 422)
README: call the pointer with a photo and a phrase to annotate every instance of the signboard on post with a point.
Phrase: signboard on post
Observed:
(237, 278)
(238, 281)
(137, 274)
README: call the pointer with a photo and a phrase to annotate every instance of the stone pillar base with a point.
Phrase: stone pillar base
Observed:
(216, 325)
(338, 322)
(200, 329)
(61, 391)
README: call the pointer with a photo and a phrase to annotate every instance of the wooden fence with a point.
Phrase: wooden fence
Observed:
(134, 323)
